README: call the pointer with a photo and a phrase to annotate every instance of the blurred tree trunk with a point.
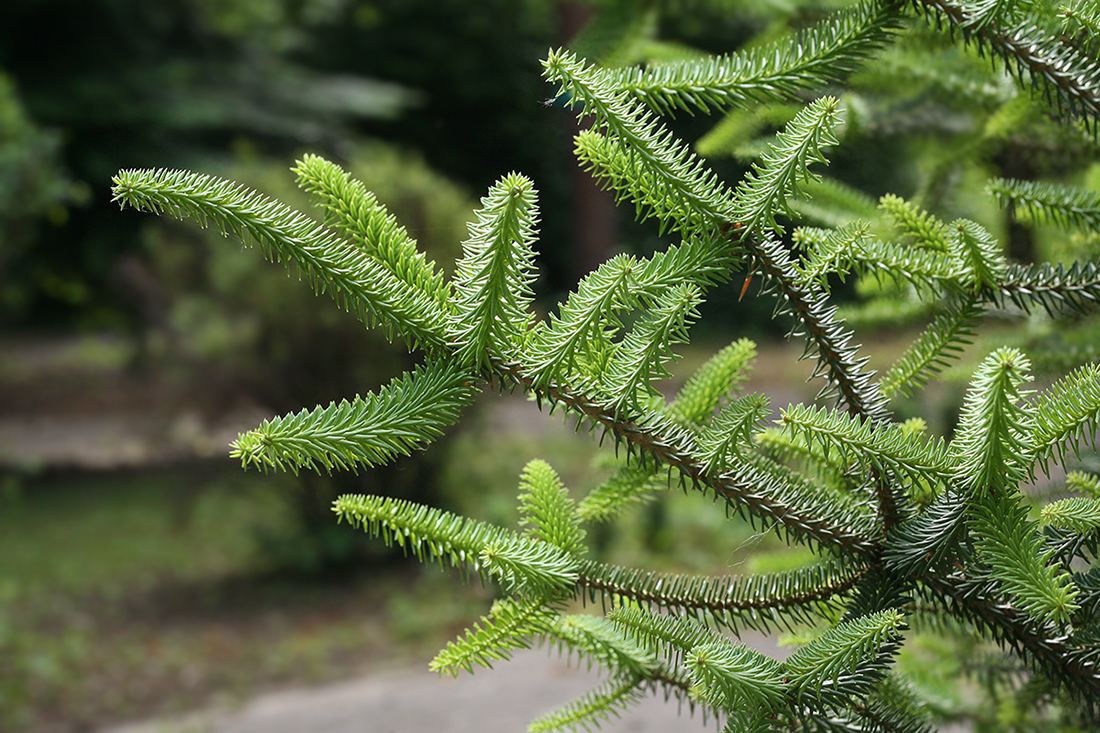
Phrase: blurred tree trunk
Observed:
(593, 227)
(1021, 239)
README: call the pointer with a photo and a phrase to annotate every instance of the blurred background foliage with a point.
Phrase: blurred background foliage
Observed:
(428, 102)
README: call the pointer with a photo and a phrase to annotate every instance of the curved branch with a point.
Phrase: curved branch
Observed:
(1077, 669)
(746, 488)
(701, 593)
(1061, 68)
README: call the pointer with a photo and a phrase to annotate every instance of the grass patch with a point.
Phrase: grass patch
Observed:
(116, 533)
(143, 594)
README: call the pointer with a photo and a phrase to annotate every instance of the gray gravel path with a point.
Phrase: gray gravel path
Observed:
(502, 700)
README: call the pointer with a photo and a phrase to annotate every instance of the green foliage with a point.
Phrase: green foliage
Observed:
(734, 677)
(903, 526)
(1081, 17)
(366, 431)
(760, 601)
(813, 59)
(493, 282)
(508, 626)
(547, 508)
(713, 381)
(1025, 43)
(356, 212)
(356, 280)
(880, 447)
(1079, 514)
(731, 428)
(1013, 549)
(926, 230)
(940, 343)
(980, 260)
(763, 192)
(1067, 413)
(431, 534)
(991, 450)
(636, 154)
(1047, 202)
(1083, 482)
(225, 314)
(831, 669)
(593, 707)
(630, 484)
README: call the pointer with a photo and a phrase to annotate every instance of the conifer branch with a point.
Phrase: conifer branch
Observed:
(674, 171)
(524, 564)
(780, 71)
(492, 284)
(893, 515)
(510, 625)
(598, 639)
(631, 177)
(529, 566)
(351, 276)
(749, 486)
(731, 430)
(581, 333)
(1083, 18)
(980, 261)
(758, 601)
(1078, 514)
(880, 446)
(764, 191)
(929, 541)
(716, 379)
(838, 362)
(843, 661)
(840, 251)
(630, 484)
(1053, 287)
(670, 636)
(547, 509)
(595, 706)
(992, 451)
(368, 431)
(1063, 72)
(831, 253)
(940, 342)
(733, 677)
(1074, 669)
(591, 314)
(640, 357)
(1013, 548)
(1086, 483)
(927, 231)
(354, 211)
(1067, 412)
(1041, 202)
(810, 460)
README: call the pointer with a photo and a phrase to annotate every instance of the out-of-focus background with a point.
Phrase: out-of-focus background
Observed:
(142, 572)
